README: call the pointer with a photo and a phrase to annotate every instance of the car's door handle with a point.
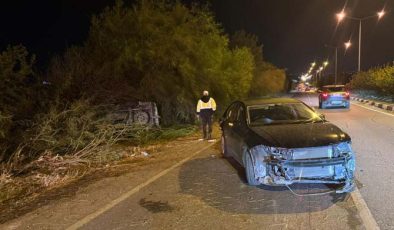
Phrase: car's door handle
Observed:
(230, 124)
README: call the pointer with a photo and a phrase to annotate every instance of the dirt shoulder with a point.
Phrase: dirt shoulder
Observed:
(66, 204)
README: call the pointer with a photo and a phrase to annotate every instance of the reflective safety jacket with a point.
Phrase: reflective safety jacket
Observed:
(206, 106)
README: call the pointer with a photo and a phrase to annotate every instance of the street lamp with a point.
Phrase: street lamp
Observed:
(347, 45)
(342, 15)
(381, 14)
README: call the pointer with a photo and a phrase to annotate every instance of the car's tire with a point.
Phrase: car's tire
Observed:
(224, 147)
(141, 117)
(347, 106)
(249, 170)
(319, 104)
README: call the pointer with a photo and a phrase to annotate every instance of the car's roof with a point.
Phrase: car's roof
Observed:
(333, 86)
(273, 100)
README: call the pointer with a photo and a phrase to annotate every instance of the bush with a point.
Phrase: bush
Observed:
(380, 80)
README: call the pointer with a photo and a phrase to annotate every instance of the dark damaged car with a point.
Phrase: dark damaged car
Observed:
(281, 141)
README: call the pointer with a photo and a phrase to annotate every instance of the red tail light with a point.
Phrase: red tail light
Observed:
(324, 96)
(347, 95)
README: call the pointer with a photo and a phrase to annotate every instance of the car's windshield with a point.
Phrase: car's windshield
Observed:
(281, 113)
(334, 89)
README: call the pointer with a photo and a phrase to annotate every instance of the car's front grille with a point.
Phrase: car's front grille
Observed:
(313, 153)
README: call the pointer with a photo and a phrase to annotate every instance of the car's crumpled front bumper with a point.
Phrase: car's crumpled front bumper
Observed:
(324, 170)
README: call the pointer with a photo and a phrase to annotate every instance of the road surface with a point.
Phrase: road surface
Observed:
(372, 132)
(202, 190)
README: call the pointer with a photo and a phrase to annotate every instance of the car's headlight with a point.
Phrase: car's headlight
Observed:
(343, 148)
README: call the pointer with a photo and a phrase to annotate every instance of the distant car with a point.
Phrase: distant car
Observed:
(281, 141)
(334, 96)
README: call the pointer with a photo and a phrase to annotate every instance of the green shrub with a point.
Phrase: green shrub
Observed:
(380, 80)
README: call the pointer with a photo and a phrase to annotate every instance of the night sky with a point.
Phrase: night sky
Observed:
(293, 32)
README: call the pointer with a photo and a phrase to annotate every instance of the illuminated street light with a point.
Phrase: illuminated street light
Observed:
(342, 15)
(348, 44)
(313, 64)
(325, 63)
(381, 14)
(321, 68)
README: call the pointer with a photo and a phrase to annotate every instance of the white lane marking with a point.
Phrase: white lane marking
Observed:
(126, 195)
(389, 114)
(363, 210)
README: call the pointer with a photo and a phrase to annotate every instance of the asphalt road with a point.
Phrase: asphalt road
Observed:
(206, 191)
(209, 192)
(372, 135)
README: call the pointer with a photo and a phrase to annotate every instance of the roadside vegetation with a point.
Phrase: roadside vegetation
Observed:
(54, 126)
(376, 82)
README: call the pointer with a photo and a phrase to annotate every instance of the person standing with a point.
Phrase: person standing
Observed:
(206, 107)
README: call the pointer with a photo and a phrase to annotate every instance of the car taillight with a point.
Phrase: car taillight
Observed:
(324, 96)
(347, 94)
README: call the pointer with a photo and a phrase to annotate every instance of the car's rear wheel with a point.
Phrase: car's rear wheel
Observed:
(249, 170)
(319, 104)
(224, 147)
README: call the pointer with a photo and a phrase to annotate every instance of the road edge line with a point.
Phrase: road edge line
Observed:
(382, 112)
(365, 214)
(131, 192)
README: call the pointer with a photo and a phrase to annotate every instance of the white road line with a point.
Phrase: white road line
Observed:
(363, 211)
(389, 114)
(126, 195)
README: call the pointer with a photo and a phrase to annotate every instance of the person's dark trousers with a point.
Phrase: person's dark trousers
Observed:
(206, 121)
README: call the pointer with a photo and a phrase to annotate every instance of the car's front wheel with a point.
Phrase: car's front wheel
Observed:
(249, 170)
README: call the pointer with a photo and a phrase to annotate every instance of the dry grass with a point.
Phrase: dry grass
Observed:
(66, 144)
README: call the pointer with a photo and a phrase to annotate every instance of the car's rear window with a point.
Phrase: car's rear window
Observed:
(334, 89)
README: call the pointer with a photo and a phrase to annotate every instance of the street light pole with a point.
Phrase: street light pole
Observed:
(336, 64)
(342, 15)
(359, 47)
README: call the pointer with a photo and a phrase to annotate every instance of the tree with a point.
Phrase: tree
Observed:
(267, 79)
(156, 51)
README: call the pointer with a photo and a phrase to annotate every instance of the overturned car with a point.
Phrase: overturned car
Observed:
(281, 141)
